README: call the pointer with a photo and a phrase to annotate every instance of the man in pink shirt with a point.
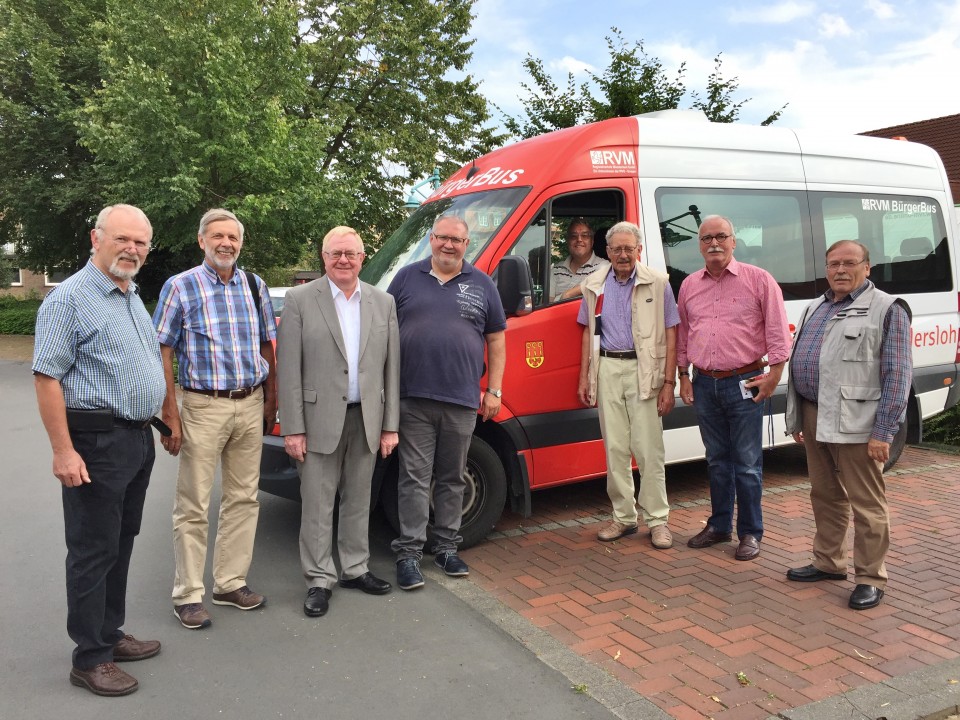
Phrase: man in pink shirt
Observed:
(731, 316)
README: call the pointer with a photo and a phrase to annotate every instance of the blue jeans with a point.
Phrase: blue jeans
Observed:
(732, 433)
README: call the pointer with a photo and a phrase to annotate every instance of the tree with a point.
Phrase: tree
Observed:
(296, 115)
(48, 68)
(634, 82)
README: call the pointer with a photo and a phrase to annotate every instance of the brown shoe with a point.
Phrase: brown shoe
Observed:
(243, 598)
(748, 549)
(707, 537)
(192, 616)
(104, 679)
(615, 530)
(129, 649)
(661, 537)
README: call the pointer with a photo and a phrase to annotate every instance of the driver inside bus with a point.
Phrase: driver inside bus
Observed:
(567, 275)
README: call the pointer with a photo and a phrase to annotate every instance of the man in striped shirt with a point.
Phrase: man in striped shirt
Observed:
(566, 276)
(847, 395)
(99, 380)
(731, 316)
(221, 327)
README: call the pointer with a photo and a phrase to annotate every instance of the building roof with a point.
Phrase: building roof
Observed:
(942, 134)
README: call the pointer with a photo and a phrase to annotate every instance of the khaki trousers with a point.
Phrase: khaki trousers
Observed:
(844, 478)
(230, 431)
(631, 426)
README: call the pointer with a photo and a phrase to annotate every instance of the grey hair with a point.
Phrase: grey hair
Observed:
(728, 221)
(627, 228)
(216, 215)
(456, 218)
(105, 213)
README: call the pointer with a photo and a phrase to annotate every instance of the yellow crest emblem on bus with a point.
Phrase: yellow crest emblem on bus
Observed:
(535, 353)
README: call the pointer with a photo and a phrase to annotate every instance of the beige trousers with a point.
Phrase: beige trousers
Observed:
(844, 478)
(230, 431)
(631, 426)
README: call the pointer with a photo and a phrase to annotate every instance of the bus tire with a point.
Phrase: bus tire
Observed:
(483, 497)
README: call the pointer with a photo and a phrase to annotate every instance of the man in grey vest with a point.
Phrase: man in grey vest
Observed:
(847, 392)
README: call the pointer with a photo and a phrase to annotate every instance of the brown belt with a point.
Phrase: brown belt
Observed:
(619, 354)
(239, 394)
(721, 374)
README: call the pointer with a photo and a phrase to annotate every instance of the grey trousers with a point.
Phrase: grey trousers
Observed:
(434, 439)
(348, 471)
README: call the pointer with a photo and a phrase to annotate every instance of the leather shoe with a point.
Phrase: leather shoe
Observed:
(317, 602)
(104, 679)
(615, 530)
(368, 583)
(707, 537)
(865, 597)
(748, 549)
(811, 573)
(128, 649)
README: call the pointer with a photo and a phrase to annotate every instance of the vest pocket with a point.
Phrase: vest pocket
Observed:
(860, 343)
(858, 408)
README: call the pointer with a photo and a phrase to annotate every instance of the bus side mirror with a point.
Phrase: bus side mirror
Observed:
(515, 285)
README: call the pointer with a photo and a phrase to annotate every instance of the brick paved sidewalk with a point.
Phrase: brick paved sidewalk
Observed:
(704, 636)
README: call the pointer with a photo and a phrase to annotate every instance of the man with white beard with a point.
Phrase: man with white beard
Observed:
(99, 381)
(219, 321)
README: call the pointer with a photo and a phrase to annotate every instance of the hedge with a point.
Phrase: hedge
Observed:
(18, 317)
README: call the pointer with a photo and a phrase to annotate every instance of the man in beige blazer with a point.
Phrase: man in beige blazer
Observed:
(338, 355)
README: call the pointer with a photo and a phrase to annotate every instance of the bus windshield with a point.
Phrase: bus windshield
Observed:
(484, 213)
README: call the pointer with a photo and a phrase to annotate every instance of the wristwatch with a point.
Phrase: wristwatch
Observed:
(495, 393)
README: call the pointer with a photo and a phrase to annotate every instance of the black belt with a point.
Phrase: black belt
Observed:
(238, 394)
(721, 374)
(131, 424)
(351, 406)
(619, 354)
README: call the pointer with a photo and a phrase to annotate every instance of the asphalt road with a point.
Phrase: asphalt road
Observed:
(406, 655)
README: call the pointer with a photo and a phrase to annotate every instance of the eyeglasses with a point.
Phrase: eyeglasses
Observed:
(142, 247)
(335, 255)
(719, 237)
(835, 265)
(625, 250)
(444, 239)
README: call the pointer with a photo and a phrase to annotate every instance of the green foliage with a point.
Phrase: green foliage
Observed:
(633, 83)
(6, 269)
(943, 428)
(18, 317)
(297, 116)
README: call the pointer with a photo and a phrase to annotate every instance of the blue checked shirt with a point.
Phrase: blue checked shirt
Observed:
(100, 344)
(894, 355)
(214, 329)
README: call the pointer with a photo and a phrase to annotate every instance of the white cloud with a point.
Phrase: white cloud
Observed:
(777, 14)
(833, 26)
(568, 64)
(881, 10)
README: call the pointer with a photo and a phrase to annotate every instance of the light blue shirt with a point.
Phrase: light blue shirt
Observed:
(99, 342)
(348, 312)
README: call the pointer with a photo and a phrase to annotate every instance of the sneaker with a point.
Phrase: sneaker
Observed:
(243, 598)
(661, 537)
(615, 530)
(192, 616)
(408, 574)
(451, 564)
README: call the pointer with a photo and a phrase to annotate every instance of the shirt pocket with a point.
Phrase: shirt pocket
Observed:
(858, 408)
(860, 342)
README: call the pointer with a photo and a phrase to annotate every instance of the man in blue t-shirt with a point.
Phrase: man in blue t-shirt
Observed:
(448, 312)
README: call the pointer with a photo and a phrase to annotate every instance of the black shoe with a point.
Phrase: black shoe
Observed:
(812, 574)
(368, 583)
(451, 564)
(707, 537)
(865, 597)
(408, 574)
(317, 602)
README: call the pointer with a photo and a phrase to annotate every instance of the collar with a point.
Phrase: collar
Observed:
(828, 295)
(102, 282)
(334, 290)
(733, 268)
(426, 266)
(214, 276)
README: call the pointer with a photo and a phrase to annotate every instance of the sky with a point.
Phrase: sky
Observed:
(842, 65)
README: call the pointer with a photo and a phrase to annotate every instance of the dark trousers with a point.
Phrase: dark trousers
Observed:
(101, 518)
